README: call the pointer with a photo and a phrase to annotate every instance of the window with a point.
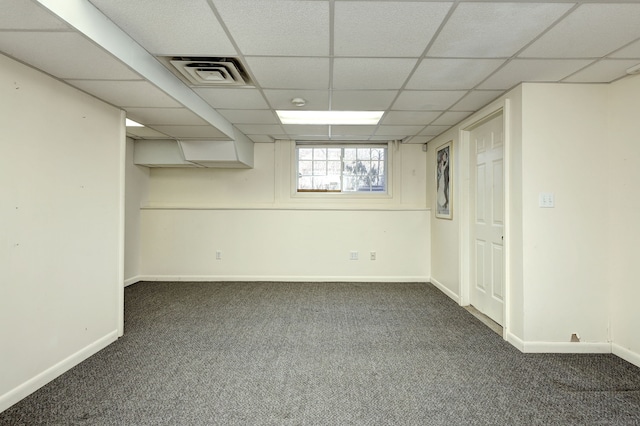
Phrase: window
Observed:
(352, 168)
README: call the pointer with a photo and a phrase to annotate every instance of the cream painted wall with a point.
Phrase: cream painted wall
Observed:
(446, 249)
(622, 173)
(266, 231)
(61, 228)
(289, 245)
(570, 266)
(136, 195)
(514, 218)
(269, 184)
(445, 235)
(564, 265)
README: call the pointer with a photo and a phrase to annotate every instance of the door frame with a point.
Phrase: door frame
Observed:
(466, 167)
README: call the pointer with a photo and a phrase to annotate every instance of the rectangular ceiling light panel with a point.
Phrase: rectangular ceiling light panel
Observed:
(330, 117)
(131, 123)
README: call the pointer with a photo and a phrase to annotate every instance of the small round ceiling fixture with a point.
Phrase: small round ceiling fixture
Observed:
(634, 70)
(299, 102)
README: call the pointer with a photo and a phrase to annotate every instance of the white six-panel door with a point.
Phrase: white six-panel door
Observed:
(487, 216)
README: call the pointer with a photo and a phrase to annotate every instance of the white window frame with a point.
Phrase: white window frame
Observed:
(387, 193)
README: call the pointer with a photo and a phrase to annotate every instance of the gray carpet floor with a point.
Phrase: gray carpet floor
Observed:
(323, 354)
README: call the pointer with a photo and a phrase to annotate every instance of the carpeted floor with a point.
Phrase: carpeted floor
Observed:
(323, 354)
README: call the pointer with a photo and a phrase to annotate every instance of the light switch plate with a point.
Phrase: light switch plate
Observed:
(546, 200)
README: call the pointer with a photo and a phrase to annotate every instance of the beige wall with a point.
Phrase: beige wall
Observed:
(265, 231)
(287, 245)
(447, 251)
(570, 267)
(61, 231)
(622, 175)
(564, 270)
(269, 184)
(136, 194)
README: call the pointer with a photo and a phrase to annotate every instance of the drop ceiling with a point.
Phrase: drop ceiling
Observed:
(427, 64)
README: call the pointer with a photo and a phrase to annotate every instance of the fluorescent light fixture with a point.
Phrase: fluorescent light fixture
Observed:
(131, 123)
(330, 117)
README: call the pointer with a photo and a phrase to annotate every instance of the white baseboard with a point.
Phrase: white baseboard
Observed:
(515, 341)
(567, 347)
(577, 347)
(132, 280)
(35, 383)
(626, 354)
(445, 290)
(286, 278)
(558, 347)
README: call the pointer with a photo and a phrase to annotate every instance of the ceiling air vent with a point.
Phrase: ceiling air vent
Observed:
(212, 71)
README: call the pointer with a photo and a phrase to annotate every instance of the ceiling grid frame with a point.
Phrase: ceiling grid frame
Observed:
(245, 108)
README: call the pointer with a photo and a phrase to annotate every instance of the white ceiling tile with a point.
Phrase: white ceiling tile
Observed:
(427, 100)
(273, 27)
(378, 29)
(476, 99)
(519, 70)
(281, 99)
(290, 73)
(236, 98)
(64, 55)
(169, 27)
(286, 47)
(452, 73)
(371, 73)
(409, 117)
(630, 51)
(27, 15)
(494, 30)
(451, 118)
(306, 130)
(603, 71)
(126, 93)
(309, 137)
(434, 130)
(592, 30)
(257, 129)
(249, 116)
(191, 131)
(362, 100)
(179, 116)
(398, 132)
(353, 130)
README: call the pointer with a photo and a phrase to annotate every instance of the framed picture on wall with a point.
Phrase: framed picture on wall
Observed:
(444, 209)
